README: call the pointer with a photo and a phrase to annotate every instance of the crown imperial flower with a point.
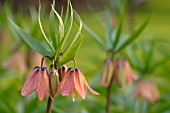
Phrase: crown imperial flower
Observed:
(74, 82)
(37, 80)
(146, 89)
(123, 73)
(107, 73)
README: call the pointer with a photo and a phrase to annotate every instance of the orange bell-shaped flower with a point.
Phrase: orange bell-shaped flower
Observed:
(146, 89)
(37, 81)
(74, 82)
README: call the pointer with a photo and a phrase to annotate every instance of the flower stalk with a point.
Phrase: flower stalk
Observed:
(109, 90)
(49, 105)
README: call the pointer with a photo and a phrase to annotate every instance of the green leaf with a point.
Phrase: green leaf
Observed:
(46, 39)
(133, 58)
(61, 14)
(133, 36)
(52, 29)
(119, 30)
(70, 53)
(108, 30)
(94, 36)
(149, 48)
(71, 21)
(67, 14)
(79, 30)
(77, 34)
(31, 41)
(66, 36)
(61, 26)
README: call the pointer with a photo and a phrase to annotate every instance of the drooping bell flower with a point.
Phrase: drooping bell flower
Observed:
(107, 73)
(130, 76)
(74, 82)
(62, 71)
(38, 80)
(146, 89)
(123, 73)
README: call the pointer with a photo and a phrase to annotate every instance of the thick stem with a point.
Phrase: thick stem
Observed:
(49, 105)
(108, 97)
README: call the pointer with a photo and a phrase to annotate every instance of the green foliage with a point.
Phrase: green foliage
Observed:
(142, 56)
(45, 37)
(133, 36)
(113, 42)
(122, 99)
(32, 42)
(119, 30)
(52, 29)
(56, 43)
(71, 52)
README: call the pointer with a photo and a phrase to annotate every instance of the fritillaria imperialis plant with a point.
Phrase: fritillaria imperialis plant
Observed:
(145, 63)
(59, 51)
(116, 69)
(145, 89)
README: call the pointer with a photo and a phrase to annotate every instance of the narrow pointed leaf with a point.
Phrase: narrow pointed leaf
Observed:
(94, 35)
(79, 30)
(66, 36)
(108, 29)
(61, 14)
(71, 21)
(52, 29)
(45, 37)
(70, 53)
(149, 54)
(133, 58)
(31, 41)
(61, 26)
(133, 36)
(67, 14)
(119, 30)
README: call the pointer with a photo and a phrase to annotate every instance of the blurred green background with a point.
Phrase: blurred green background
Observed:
(17, 59)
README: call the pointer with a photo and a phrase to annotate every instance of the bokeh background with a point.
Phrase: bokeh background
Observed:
(17, 59)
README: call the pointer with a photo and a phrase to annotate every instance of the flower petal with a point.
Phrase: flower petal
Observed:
(31, 82)
(92, 91)
(62, 71)
(80, 83)
(67, 84)
(43, 86)
(128, 72)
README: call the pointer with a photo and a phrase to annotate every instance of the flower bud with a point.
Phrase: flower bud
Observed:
(120, 74)
(107, 73)
(54, 80)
